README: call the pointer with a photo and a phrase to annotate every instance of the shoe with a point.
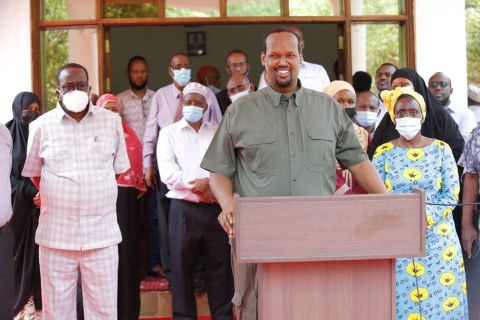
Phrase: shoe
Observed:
(156, 271)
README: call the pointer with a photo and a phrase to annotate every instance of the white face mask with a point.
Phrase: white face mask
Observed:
(238, 95)
(366, 118)
(408, 88)
(75, 101)
(408, 127)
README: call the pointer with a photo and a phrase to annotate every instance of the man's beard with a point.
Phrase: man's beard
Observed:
(141, 86)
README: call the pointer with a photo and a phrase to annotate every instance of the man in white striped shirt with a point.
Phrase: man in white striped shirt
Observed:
(193, 226)
(77, 150)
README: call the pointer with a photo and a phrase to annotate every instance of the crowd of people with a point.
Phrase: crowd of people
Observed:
(82, 175)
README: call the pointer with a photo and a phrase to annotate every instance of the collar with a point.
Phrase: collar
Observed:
(449, 107)
(184, 124)
(275, 96)
(175, 90)
(60, 113)
(147, 95)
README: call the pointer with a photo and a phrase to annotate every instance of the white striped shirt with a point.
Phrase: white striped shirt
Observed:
(134, 110)
(77, 163)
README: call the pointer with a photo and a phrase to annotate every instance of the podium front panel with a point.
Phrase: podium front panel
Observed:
(354, 227)
(346, 290)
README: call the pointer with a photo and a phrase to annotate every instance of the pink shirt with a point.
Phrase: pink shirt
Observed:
(162, 113)
(77, 163)
(6, 146)
(180, 151)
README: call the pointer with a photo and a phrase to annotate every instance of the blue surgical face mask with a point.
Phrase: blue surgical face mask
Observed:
(182, 76)
(366, 118)
(192, 113)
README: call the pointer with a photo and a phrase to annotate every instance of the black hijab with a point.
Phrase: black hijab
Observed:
(438, 124)
(24, 220)
(19, 131)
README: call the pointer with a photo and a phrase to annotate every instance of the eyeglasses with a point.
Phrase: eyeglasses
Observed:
(237, 65)
(436, 84)
(72, 87)
(237, 89)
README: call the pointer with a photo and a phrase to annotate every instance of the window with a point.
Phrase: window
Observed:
(60, 10)
(192, 8)
(374, 44)
(131, 9)
(377, 7)
(316, 7)
(63, 46)
(253, 8)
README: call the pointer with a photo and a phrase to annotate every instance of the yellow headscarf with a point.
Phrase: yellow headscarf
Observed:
(390, 99)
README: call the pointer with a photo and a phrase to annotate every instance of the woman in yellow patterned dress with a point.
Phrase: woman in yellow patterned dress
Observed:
(431, 287)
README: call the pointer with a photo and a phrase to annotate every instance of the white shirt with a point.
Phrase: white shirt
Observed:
(134, 110)
(476, 111)
(77, 163)
(383, 111)
(180, 151)
(313, 76)
(6, 146)
(162, 114)
(464, 118)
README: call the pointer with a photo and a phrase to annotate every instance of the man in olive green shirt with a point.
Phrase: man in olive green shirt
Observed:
(281, 141)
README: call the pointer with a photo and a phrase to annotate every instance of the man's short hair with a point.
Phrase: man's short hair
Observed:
(136, 58)
(234, 51)
(370, 93)
(389, 64)
(177, 54)
(71, 65)
(280, 30)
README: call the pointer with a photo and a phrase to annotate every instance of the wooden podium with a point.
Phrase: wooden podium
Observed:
(328, 257)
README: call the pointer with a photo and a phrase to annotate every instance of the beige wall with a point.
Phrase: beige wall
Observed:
(15, 53)
(157, 44)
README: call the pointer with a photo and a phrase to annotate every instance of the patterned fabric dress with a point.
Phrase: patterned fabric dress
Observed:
(431, 287)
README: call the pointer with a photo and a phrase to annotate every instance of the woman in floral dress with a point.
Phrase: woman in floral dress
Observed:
(431, 287)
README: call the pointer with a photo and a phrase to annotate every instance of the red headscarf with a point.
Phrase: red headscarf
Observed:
(134, 176)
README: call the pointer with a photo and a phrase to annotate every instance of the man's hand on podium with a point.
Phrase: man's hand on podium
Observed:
(222, 189)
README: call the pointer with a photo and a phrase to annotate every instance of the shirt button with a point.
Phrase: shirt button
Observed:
(294, 180)
(289, 110)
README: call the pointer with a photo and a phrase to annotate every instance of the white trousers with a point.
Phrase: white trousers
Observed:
(59, 275)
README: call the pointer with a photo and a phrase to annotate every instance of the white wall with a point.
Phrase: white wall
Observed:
(441, 43)
(15, 53)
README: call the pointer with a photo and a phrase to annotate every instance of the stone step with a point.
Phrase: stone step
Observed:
(158, 305)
